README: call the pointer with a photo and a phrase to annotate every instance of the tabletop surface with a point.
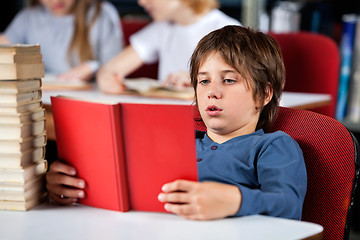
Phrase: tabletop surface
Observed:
(288, 99)
(49, 221)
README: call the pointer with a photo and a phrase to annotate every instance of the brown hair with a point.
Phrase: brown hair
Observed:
(80, 43)
(200, 6)
(255, 55)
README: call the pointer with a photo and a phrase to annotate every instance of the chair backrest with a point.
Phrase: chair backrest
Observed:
(131, 25)
(312, 63)
(331, 156)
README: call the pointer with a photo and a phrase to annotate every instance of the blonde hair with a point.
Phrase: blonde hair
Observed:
(200, 6)
(80, 43)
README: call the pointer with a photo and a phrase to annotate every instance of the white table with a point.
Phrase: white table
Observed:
(289, 99)
(83, 222)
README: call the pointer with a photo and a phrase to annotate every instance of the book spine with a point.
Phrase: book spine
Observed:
(346, 49)
(353, 114)
(119, 157)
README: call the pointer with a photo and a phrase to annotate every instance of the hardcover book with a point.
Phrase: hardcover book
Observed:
(16, 86)
(124, 151)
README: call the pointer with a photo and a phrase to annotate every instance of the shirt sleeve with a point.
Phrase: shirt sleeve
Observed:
(16, 31)
(146, 41)
(111, 40)
(282, 181)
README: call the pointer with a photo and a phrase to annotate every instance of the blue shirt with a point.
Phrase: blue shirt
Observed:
(268, 169)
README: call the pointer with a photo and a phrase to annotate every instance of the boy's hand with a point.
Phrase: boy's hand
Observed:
(200, 201)
(62, 185)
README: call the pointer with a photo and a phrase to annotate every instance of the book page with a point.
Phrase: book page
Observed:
(52, 82)
(153, 88)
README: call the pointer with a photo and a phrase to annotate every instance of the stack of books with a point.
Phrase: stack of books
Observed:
(22, 127)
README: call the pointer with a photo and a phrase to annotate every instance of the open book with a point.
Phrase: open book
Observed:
(148, 87)
(124, 151)
(52, 82)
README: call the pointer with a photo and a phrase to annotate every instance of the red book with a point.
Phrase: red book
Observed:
(125, 152)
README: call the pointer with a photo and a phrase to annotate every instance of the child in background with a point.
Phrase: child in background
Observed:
(76, 36)
(238, 74)
(172, 37)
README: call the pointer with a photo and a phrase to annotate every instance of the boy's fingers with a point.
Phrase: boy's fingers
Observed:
(178, 185)
(62, 199)
(64, 192)
(174, 197)
(58, 166)
(184, 210)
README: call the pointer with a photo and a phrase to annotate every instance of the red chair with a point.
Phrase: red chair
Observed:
(131, 25)
(331, 156)
(312, 63)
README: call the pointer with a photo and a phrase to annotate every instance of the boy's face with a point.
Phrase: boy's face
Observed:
(225, 102)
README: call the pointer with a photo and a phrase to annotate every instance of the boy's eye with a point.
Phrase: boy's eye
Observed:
(204, 81)
(229, 81)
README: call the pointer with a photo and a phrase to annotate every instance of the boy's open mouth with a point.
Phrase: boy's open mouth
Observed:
(213, 110)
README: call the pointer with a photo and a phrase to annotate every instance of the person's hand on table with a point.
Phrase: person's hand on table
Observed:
(83, 73)
(63, 185)
(109, 81)
(179, 79)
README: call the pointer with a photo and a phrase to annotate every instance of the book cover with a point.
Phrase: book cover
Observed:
(346, 51)
(125, 151)
(88, 136)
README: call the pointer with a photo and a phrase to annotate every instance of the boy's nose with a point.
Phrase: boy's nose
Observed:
(214, 92)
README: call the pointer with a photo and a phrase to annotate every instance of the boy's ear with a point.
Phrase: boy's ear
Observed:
(269, 94)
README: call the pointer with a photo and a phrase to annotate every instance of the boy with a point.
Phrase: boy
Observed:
(238, 74)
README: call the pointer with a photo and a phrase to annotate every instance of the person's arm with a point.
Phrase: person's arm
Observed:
(82, 72)
(110, 75)
(282, 179)
(63, 185)
(106, 38)
(200, 200)
(4, 39)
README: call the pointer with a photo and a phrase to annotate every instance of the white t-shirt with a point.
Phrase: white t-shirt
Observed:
(173, 44)
(54, 34)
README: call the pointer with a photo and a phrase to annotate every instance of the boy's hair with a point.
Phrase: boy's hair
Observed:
(255, 55)
(80, 43)
(200, 6)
